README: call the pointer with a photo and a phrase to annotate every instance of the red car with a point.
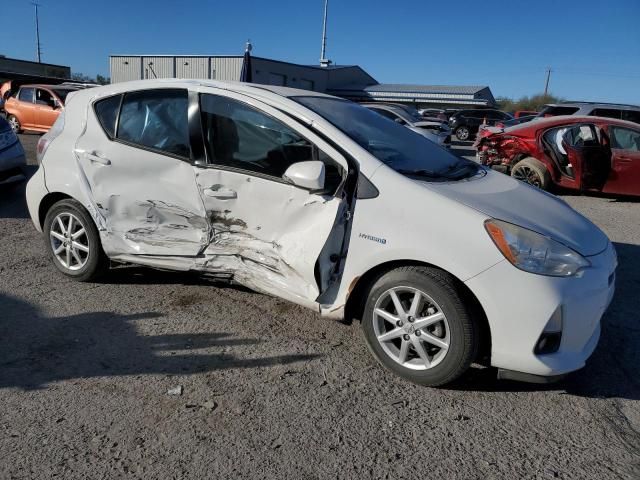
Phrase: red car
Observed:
(575, 152)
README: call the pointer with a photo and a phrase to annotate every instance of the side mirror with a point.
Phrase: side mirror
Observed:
(400, 121)
(56, 104)
(308, 175)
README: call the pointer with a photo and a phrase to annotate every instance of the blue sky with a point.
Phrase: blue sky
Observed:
(592, 46)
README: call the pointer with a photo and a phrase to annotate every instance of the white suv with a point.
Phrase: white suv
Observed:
(325, 203)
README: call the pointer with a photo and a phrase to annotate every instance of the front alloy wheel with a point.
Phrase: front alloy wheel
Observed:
(417, 323)
(411, 328)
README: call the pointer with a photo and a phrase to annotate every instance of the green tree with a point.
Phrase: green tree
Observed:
(533, 103)
(102, 80)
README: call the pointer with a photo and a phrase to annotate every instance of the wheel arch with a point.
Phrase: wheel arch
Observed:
(48, 201)
(357, 296)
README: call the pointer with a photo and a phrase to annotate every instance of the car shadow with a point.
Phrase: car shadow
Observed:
(36, 349)
(612, 371)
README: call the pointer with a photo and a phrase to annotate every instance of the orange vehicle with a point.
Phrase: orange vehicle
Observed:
(36, 107)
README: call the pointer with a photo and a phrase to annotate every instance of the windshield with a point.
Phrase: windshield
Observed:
(395, 145)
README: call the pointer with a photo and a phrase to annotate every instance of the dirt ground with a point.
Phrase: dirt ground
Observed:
(270, 390)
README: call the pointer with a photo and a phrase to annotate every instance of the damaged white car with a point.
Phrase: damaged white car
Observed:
(325, 203)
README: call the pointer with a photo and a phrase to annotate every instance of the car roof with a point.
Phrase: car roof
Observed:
(548, 122)
(46, 85)
(621, 106)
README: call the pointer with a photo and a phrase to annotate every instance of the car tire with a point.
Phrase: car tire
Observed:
(76, 251)
(463, 133)
(442, 326)
(533, 172)
(14, 123)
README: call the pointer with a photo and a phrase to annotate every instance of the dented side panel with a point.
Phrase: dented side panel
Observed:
(270, 236)
(144, 203)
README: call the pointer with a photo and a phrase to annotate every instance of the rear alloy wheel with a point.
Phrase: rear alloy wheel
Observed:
(417, 325)
(14, 123)
(73, 241)
(533, 172)
(463, 133)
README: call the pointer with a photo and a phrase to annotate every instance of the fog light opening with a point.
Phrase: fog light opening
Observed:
(549, 341)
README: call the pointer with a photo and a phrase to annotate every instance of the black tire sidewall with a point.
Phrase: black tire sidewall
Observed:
(537, 167)
(462, 346)
(96, 260)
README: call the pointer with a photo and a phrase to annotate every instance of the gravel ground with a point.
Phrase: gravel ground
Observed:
(274, 391)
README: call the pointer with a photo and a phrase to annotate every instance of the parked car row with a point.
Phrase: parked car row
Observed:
(431, 127)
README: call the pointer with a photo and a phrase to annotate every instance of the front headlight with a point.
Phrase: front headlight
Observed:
(534, 253)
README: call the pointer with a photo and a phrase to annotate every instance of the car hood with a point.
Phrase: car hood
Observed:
(504, 198)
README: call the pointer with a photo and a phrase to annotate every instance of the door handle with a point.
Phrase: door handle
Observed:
(97, 158)
(221, 193)
(93, 157)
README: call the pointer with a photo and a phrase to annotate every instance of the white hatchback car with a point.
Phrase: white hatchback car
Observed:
(325, 203)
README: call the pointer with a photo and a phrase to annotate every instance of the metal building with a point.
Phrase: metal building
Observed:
(14, 69)
(348, 81)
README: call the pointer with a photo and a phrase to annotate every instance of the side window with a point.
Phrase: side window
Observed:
(43, 97)
(156, 119)
(625, 139)
(239, 136)
(107, 113)
(606, 112)
(26, 95)
(631, 115)
(581, 136)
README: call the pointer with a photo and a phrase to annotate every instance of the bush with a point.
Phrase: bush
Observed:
(533, 103)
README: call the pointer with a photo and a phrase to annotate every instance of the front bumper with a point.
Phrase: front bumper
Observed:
(519, 305)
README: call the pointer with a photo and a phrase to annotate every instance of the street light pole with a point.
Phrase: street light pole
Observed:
(38, 50)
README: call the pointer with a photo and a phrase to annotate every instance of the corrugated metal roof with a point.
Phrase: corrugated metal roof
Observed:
(437, 89)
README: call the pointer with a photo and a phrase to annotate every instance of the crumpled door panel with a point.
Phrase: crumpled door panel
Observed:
(270, 235)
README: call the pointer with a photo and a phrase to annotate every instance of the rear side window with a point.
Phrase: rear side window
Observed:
(605, 112)
(156, 119)
(631, 115)
(625, 139)
(26, 95)
(556, 110)
(107, 113)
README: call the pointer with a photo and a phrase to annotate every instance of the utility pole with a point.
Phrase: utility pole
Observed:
(323, 59)
(38, 50)
(546, 84)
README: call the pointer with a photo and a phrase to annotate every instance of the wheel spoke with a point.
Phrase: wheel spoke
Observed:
(424, 322)
(391, 334)
(70, 227)
(79, 246)
(415, 303)
(404, 349)
(396, 302)
(63, 230)
(389, 317)
(78, 233)
(433, 340)
(57, 235)
(68, 256)
(60, 249)
(76, 256)
(422, 353)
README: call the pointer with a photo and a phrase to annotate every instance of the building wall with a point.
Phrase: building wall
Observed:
(125, 68)
(24, 67)
(273, 72)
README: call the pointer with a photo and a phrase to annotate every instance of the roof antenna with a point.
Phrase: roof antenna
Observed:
(324, 62)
